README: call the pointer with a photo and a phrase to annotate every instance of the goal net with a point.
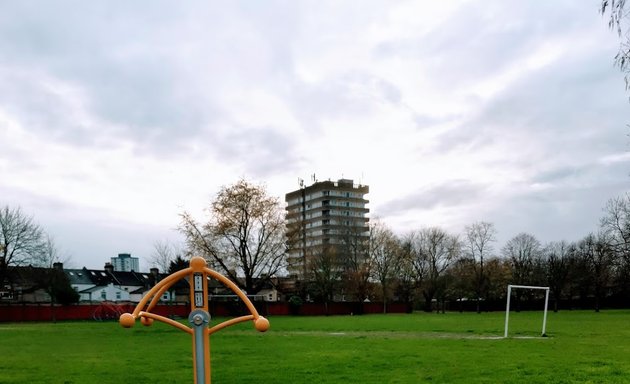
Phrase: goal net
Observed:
(507, 306)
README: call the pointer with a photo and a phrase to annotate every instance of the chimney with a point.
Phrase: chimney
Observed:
(58, 266)
(155, 272)
(109, 267)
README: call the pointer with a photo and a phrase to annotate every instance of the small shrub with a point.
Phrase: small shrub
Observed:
(295, 302)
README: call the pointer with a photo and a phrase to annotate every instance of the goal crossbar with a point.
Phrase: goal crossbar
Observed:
(507, 305)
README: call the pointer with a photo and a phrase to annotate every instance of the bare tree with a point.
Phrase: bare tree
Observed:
(385, 254)
(598, 257)
(244, 234)
(353, 254)
(499, 273)
(479, 239)
(405, 274)
(21, 240)
(436, 250)
(326, 272)
(416, 265)
(461, 275)
(557, 256)
(49, 255)
(164, 253)
(615, 225)
(618, 21)
(50, 275)
(522, 251)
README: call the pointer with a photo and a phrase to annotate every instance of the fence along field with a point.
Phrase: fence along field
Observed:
(111, 310)
(582, 347)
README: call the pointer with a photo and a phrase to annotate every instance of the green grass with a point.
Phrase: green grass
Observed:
(582, 347)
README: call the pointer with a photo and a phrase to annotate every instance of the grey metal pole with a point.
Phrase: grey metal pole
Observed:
(199, 320)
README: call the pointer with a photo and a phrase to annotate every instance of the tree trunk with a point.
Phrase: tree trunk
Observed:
(428, 301)
(384, 298)
(3, 271)
(597, 294)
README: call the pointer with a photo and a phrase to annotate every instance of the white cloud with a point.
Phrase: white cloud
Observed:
(615, 158)
(452, 112)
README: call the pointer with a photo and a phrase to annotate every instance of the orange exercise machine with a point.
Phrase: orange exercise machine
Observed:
(199, 317)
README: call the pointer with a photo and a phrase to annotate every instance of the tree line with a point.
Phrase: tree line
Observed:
(431, 266)
(245, 237)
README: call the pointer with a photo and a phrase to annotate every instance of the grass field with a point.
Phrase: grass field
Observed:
(582, 347)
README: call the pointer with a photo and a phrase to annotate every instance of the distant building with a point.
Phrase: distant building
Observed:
(321, 217)
(125, 263)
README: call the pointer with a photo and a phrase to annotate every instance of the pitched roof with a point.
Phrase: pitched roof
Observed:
(126, 278)
(79, 276)
(101, 278)
(98, 288)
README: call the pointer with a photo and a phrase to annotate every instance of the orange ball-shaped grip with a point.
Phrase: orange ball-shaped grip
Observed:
(127, 320)
(261, 324)
(198, 263)
(146, 321)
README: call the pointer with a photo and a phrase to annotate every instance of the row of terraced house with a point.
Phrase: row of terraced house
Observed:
(107, 284)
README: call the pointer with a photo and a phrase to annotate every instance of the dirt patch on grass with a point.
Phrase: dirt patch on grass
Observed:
(402, 335)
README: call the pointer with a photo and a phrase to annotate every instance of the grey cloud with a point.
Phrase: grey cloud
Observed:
(388, 91)
(87, 235)
(557, 99)
(151, 120)
(450, 193)
(567, 208)
(261, 150)
(559, 175)
(423, 121)
(479, 40)
(470, 137)
(349, 94)
(71, 47)
(152, 76)
(152, 73)
(277, 24)
(33, 201)
(562, 107)
(552, 215)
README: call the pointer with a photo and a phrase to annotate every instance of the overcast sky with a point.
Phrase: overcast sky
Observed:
(117, 116)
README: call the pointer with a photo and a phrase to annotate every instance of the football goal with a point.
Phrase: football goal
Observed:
(507, 306)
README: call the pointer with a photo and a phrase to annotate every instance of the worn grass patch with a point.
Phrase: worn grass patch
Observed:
(582, 347)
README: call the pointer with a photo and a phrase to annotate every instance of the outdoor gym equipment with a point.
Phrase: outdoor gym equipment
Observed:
(199, 317)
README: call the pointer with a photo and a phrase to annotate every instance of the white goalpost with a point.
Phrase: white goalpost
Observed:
(507, 306)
